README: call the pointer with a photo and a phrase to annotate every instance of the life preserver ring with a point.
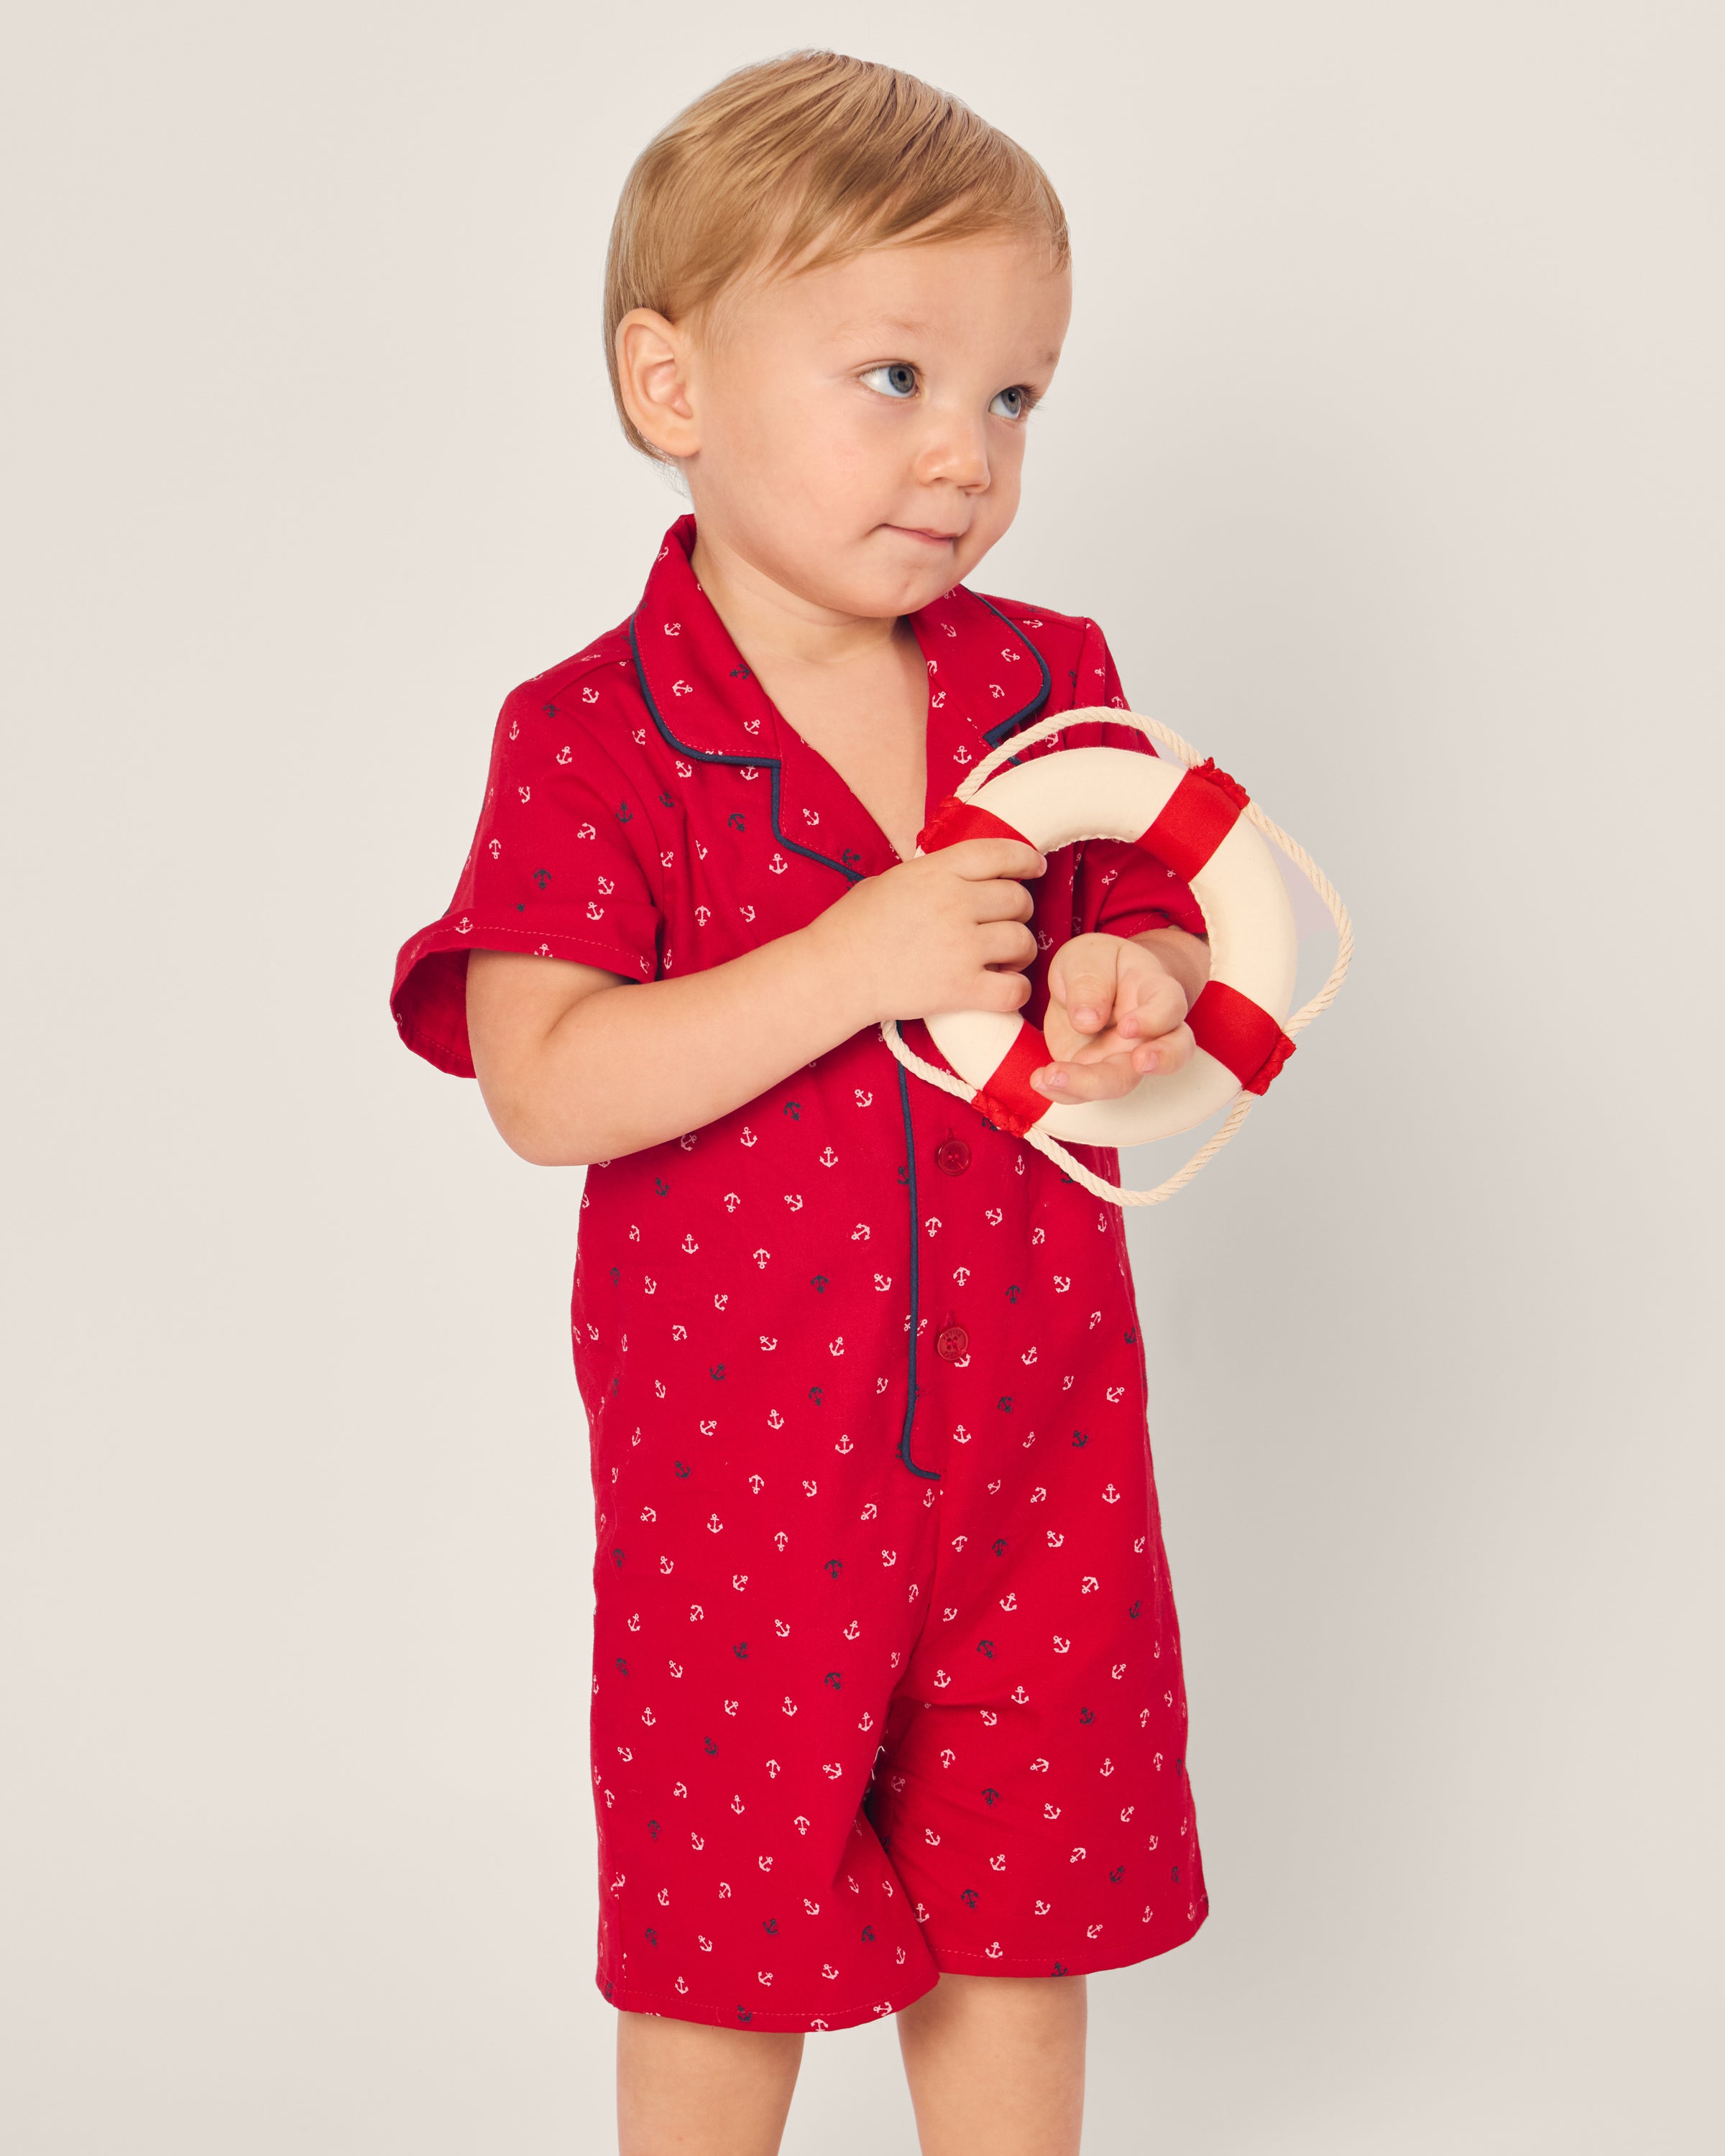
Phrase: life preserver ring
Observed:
(1191, 819)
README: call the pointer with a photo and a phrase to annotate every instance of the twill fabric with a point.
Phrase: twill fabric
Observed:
(886, 1669)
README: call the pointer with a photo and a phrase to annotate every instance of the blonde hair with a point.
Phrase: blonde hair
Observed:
(803, 161)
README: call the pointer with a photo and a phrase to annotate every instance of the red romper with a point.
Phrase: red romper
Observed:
(887, 1670)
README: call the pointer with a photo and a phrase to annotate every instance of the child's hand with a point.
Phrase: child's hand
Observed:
(1115, 1012)
(943, 931)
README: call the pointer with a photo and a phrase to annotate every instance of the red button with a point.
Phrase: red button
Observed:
(952, 1343)
(951, 1156)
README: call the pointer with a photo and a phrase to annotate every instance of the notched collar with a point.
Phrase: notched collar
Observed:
(986, 676)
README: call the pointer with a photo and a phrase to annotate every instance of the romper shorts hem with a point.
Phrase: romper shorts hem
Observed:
(678, 2006)
(1088, 1960)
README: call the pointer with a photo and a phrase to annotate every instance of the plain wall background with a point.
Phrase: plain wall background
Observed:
(1387, 449)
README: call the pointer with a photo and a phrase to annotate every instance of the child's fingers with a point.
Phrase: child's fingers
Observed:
(1003, 899)
(1006, 943)
(1085, 986)
(1150, 1002)
(1104, 1079)
(981, 859)
(1125, 1061)
(1161, 1057)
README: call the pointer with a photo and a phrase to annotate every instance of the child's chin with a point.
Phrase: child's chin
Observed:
(893, 586)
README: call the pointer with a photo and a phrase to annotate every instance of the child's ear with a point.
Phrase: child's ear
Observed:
(652, 375)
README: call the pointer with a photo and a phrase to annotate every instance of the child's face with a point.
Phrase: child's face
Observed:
(858, 431)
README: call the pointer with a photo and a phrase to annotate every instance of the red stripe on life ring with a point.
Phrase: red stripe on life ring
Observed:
(1240, 1034)
(1198, 815)
(1007, 1097)
(954, 819)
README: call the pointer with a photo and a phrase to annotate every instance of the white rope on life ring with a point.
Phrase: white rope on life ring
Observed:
(1202, 825)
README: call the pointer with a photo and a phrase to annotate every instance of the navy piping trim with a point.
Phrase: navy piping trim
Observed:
(712, 755)
(996, 734)
(851, 875)
(904, 1442)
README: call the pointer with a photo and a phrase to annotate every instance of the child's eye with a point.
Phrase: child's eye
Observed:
(896, 380)
(1011, 404)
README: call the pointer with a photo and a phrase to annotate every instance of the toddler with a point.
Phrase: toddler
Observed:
(888, 1714)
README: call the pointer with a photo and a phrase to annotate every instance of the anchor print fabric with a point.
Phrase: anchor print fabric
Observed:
(886, 1668)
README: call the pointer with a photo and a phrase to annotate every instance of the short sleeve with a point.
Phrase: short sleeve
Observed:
(562, 866)
(1119, 890)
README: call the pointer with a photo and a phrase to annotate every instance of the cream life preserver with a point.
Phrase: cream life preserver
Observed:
(1191, 820)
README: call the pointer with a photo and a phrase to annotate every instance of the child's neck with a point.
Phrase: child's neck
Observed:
(854, 689)
(767, 620)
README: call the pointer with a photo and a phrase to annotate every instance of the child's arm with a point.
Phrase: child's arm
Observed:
(578, 1065)
(1116, 1009)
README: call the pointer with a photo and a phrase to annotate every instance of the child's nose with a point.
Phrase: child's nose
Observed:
(956, 454)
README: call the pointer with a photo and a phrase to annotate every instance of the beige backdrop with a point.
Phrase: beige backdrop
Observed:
(1387, 450)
